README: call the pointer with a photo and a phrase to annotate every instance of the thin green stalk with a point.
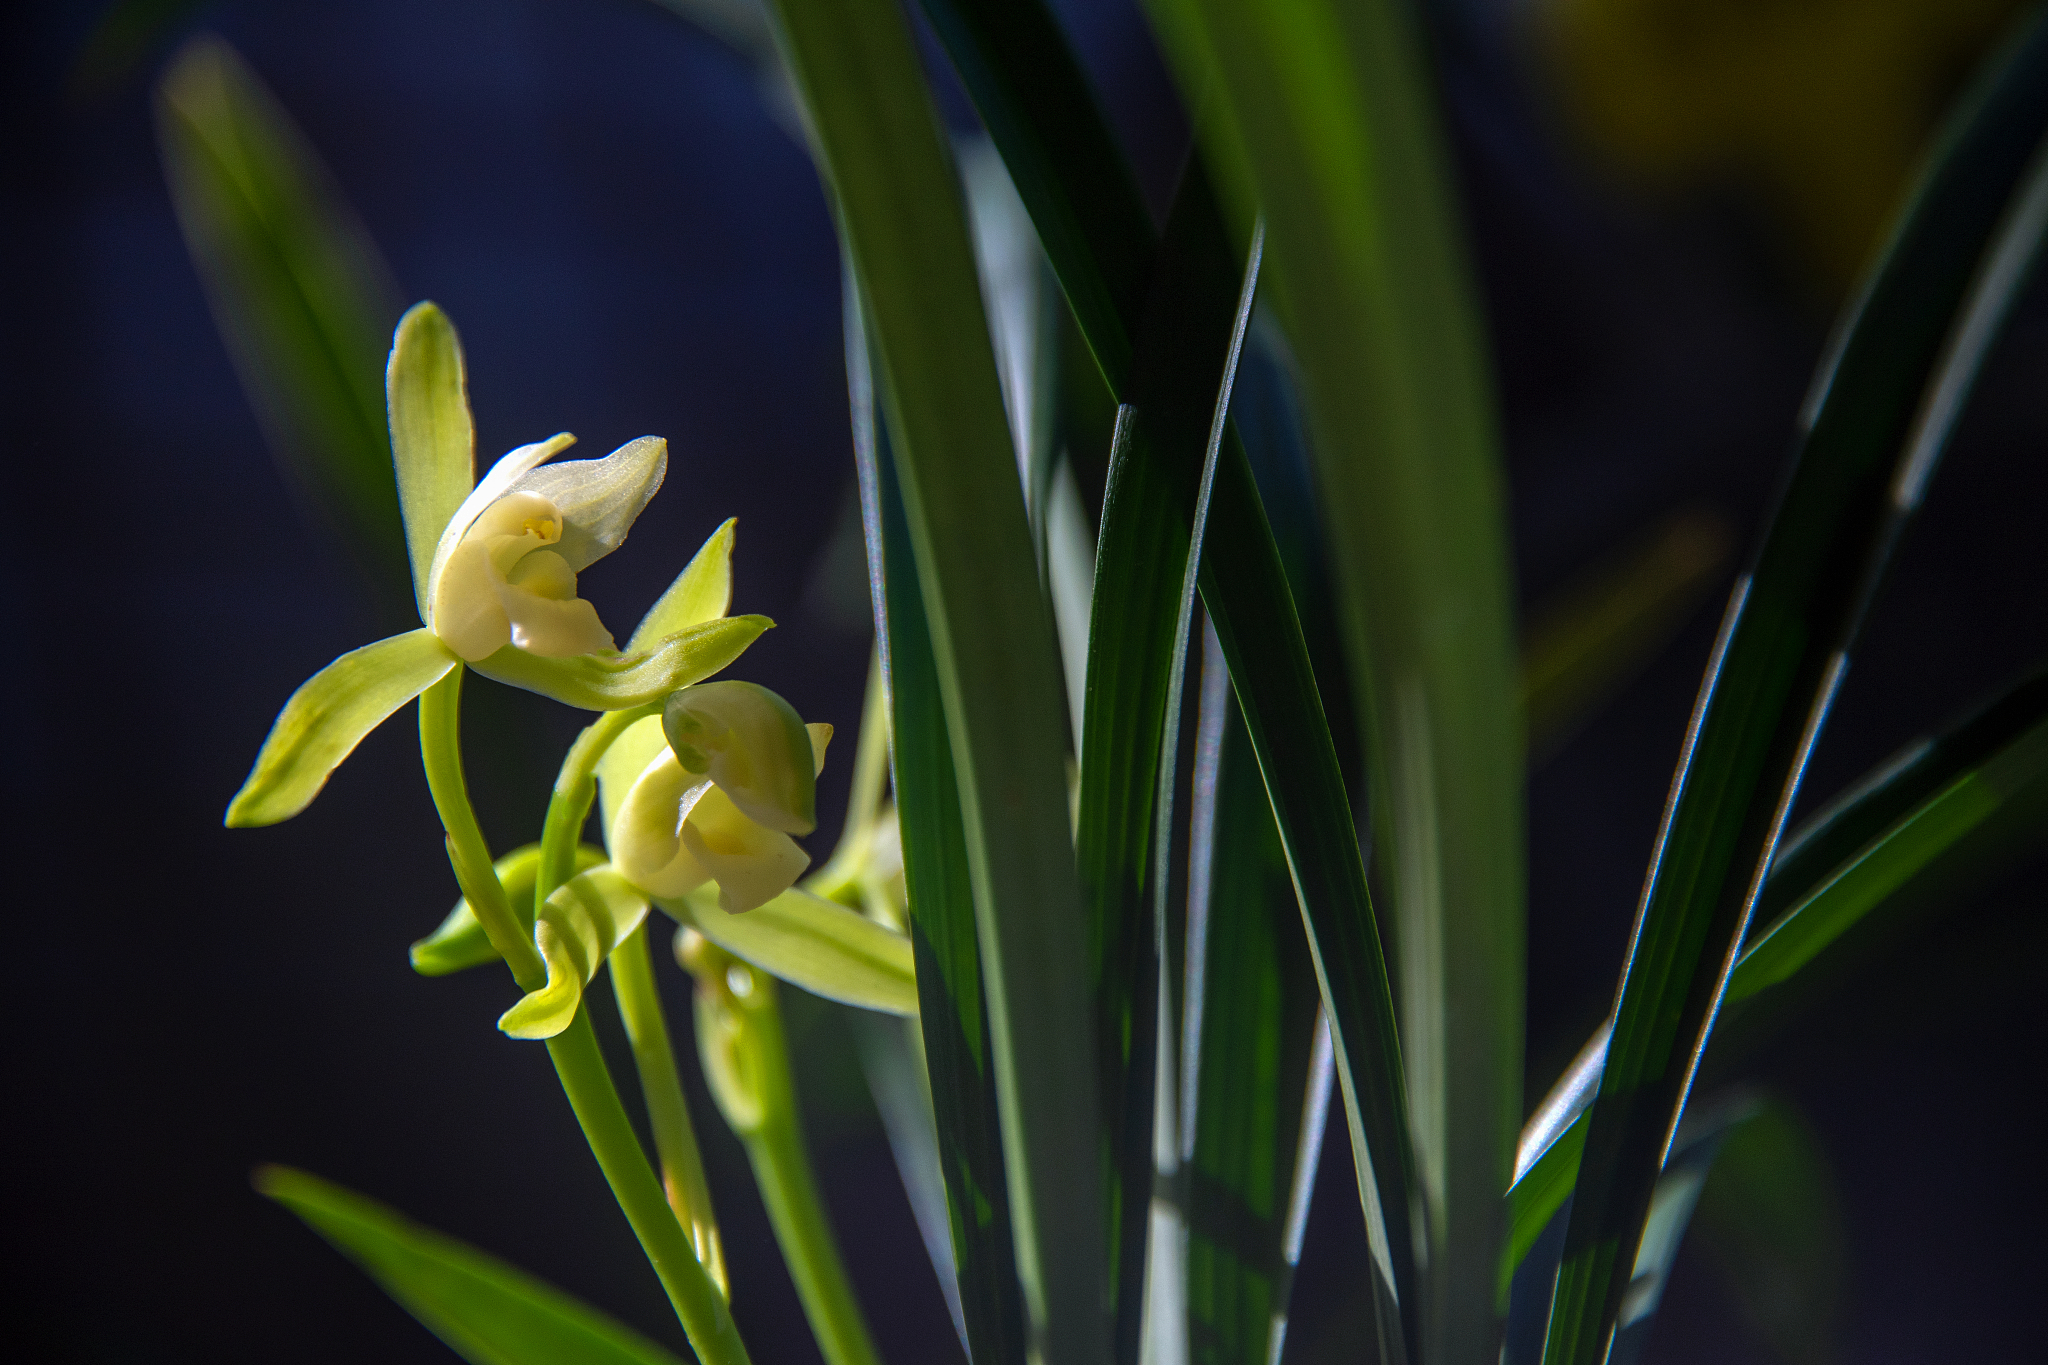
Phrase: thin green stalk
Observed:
(668, 1113)
(441, 756)
(575, 789)
(746, 1060)
(578, 1062)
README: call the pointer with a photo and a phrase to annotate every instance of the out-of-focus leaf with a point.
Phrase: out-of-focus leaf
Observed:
(898, 208)
(328, 716)
(487, 1312)
(959, 1052)
(1771, 1220)
(814, 943)
(1880, 414)
(298, 290)
(1589, 640)
(1685, 1174)
(892, 1056)
(126, 33)
(620, 682)
(1007, 56)
(1322, 114)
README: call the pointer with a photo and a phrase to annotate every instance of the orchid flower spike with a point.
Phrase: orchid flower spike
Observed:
(494, 568)
(719, 802)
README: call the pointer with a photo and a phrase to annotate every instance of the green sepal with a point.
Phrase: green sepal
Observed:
(620, 682)
(702, 592)
(814, 943)
(461, 941)
(576, 931)
(487, 1311)
(753, 745)
(433, 443)
(328, 716)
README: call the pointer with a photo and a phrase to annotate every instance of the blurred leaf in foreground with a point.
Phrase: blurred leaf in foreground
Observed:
(488, 1312)
(298, 290)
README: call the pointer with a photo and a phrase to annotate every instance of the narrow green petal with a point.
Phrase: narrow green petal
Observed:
(618, 682)
(817, 944)
(702, 592)
(433, 445)
(328, 716)
(577, 930)
(461, 942)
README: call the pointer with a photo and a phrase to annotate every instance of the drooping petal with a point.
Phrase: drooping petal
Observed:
(751, 863)
(547, 617)
(615, 682)
(507, 472)
(576, 931)
(702, 592)
(600, 499)
(814, 943)
(328, 716)
(753, 745)
(433, 445)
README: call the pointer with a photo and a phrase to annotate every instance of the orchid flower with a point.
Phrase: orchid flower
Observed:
(704, 833)
(494, 575)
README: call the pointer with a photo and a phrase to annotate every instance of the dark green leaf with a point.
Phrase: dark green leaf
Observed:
(487, 1312)
(959, 1054)
(298, 290)
(1861, 467)
(1322, 114)
(1246, 593)
(899, 211)
(1251, 1095)
(1137, 653)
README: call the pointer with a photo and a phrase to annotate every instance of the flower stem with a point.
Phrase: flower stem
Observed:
(575, 789)
(578, 1062)
(746, 1059)
(682, 1169)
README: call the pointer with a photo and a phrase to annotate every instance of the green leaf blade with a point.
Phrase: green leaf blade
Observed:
(487, 1311)
(298, 290)
(1882, 408)
(1322, 115)
(952, 1010)
(899, 211)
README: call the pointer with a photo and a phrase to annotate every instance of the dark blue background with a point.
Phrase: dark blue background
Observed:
(629, 243)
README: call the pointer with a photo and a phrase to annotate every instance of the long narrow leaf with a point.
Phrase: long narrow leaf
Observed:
(1912, 811)
(488, 1312)
(900, 216)
(1322, 113)
(298, 290)
(1862, 466)
(1250, 1037)
(959, 1053)
(1137, 651)
(1246, 592)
